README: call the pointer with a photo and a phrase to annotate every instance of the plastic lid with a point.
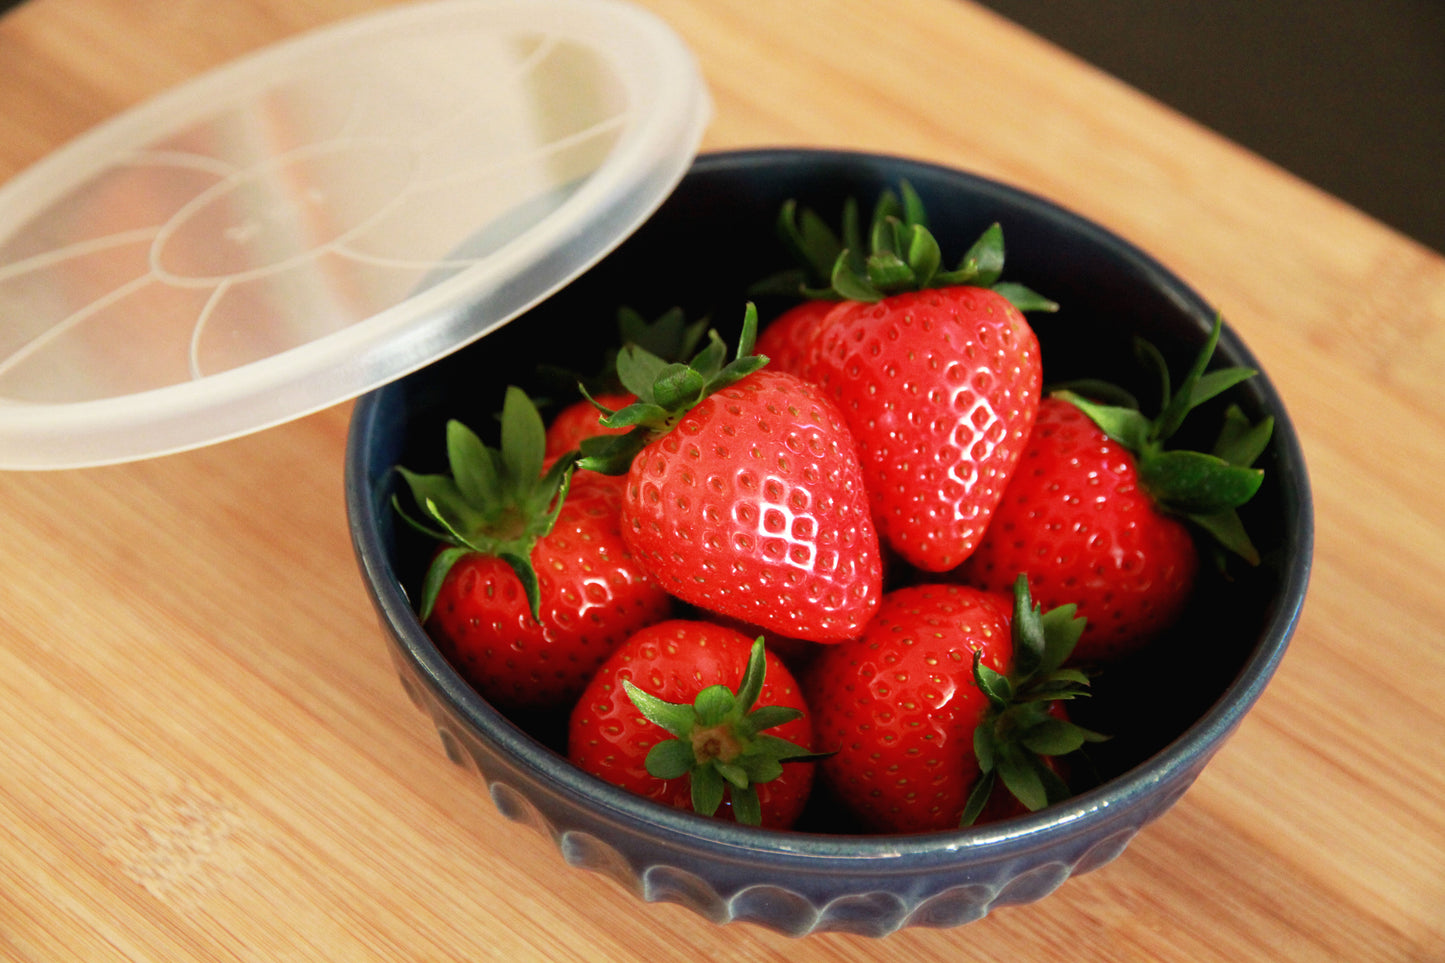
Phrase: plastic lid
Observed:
(326, 215)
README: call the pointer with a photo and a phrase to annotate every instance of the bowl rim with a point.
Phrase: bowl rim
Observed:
(1181, 758)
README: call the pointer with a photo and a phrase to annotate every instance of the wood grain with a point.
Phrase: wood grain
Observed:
(207, 755)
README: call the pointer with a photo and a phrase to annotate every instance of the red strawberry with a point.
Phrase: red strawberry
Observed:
(533, 586)
(580, 420)
(788, 339)
(673, 679)
(1096, 515)
(744, 494)
(670, 336)
(938, 375)
(950, 689)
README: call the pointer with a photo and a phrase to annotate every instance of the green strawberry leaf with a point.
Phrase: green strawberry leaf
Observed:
(521, 565)
(678, 386)
(888, 272)
(1128, 426)
(851, 284)
(769, 717)
(670, 336)
(1062, 628)
(1178, 404)
(1028, 630)
(1228, 531)
(978, 795)
(1204, 488)
(713, 705)
(910, 207)
(708, 789)
(1214, 383)
(474, 472)
(1021, 776)
(1095, 390)
(982, 264)
(813, 244)
(1239, 442)
(1053, 737)
(746, 807)
(665, 392)
(638, 370)
(993, 684)
(524, 441)
(1152, 359)
(670, 759)
(985, 747)
(924, 255)
(1018, 728)
(1024, 299)
(775, 747)
(639, 414)
(898, 254)
(436, 574)
(735, 775)
(1192, 482)
(496, 502)
(750, 688)
(717, 740)
(760, 769)
(677, 719)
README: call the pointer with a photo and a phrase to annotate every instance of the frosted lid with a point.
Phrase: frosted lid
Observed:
(324, 216)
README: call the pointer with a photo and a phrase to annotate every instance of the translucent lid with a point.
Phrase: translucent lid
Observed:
(319, 218)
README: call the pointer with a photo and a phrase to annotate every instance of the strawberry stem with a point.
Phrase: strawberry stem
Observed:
(495, 502)
(1205, 488)
(1020, 729)
(718, 741)
(665, 392)
(900, 254)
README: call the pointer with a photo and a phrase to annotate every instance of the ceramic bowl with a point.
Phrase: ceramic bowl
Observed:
(711, 239)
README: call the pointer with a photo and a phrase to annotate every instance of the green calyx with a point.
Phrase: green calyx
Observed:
(1204, 487)
(665, 392)
(494, 501)
(719, 743)
(898, 254)
(1019, 731)
(669, 336)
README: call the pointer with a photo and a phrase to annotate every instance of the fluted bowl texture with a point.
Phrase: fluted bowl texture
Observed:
(710, 240)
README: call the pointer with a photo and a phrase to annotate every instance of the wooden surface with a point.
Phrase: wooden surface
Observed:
(207, 756)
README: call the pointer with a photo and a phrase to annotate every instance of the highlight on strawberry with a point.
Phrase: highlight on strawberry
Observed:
(744, 494)
(935, 369)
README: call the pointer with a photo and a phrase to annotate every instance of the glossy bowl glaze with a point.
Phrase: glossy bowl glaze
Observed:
(710, 240)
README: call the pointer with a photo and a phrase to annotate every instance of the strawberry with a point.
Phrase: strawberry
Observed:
(951, 692)
(744, 495)
(660, 720)
(532, 586)
(938, 375)
(579, 420)
(670, 337)
(1098, 512)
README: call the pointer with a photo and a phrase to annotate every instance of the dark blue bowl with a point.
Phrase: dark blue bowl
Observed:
(710, 240)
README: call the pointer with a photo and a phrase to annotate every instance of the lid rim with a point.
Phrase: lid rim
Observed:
(667, 111)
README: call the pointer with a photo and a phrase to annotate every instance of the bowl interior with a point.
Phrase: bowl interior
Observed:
(714, 237)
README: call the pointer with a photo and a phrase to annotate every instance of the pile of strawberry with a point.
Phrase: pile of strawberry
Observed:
(864, 548)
